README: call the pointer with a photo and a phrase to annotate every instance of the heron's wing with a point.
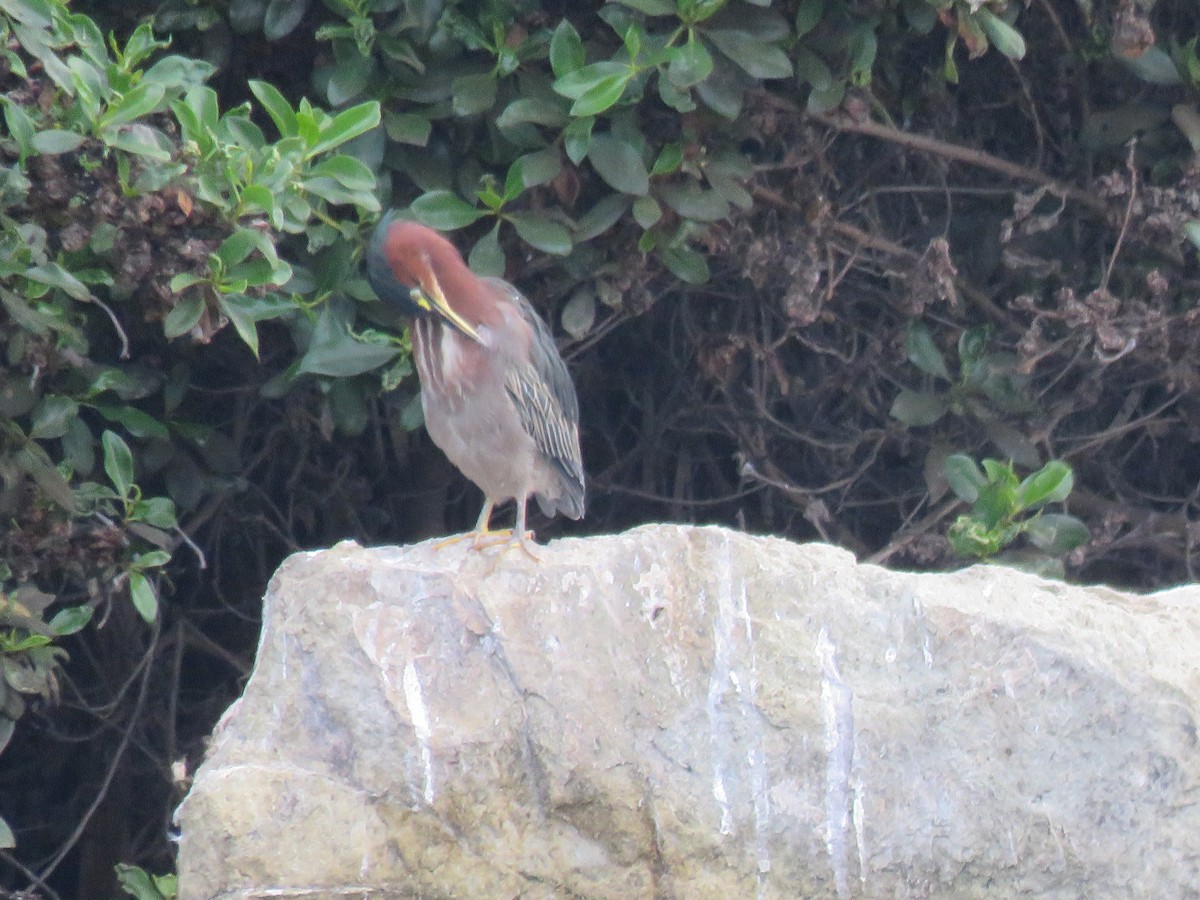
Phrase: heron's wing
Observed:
(542, 390)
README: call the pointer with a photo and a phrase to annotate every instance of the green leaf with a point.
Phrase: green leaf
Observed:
(514, 186)
(923, 352)
(678, 99)
(20, 125)
(601, 217)
(183, 281)
(156, 511)
(486, 257)
(1191, 230)
(646, 211)
(183, 316)
(971, 346)
(351, 173)
(808, 14)
(651, 7)
(1051, 484)
(276, 106)
(812, 69)
(79, 448)
(56, 276)
(601, 96)
(822, 100)
(237, 246)
(997, 505)
(33, 460)
(1003, 36)
(690, 64)
(970, 537)
(52, 417)
(53, 141)
(445, 211)
(135, 421)
(544, 234)
(473, 94)
(575, 84)
(694, 202)
(540, 167)
(334, 192)
(577, 139)
(579, 315)
(282, 17)
(686, 264)
(965, 476)
(141, 886)
(140, 101)
(179, 72)
(566, 49)
(619, 164)
(346, 126)
(71, 620)
(724, 89)
(118, 462)
(139, 139)
(152, 559)
(1057, 533)
(754, 56)
(35, 13)
(670, 158)
(408, 128)
(349, 78)
(141, 592)
(335, 352)
(863, 47)
(731, 189)
(918, 408)
(241, 319)
(546, 111)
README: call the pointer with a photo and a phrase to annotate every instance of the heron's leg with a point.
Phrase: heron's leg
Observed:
(476, 534)
(520, 536)
(485, 516)
(507, 538)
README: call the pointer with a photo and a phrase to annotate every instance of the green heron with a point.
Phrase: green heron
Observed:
(497, 396)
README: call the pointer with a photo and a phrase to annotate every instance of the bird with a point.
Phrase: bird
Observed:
(498, 398)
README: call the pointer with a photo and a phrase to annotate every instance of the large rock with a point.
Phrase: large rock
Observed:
(695, 713)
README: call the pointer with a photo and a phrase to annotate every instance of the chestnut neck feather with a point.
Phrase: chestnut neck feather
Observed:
(418, 251)
(466, 292)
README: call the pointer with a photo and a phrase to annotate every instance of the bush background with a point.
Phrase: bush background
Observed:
(799, 254)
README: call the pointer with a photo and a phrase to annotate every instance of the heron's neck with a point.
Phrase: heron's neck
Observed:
(467, 293)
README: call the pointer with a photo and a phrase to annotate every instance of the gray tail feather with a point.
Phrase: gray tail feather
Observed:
(570, 503)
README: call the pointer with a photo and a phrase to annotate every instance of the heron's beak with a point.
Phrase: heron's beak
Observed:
(434, 301)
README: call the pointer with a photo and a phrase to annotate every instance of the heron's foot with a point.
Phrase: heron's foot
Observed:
(504, 538)
(453, 539)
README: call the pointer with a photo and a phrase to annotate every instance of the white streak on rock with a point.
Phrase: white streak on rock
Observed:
(419, 714)
(838, 714)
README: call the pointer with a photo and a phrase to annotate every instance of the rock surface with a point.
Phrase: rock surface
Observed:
(689, 713)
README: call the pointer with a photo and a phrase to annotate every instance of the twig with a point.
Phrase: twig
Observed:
(147, 664)
(183, 536)
(1133, 188)
(967, 155)
(30, 874)
(116, 324)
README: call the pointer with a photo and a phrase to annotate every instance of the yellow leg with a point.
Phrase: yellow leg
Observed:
(477, 533)
(482, 536)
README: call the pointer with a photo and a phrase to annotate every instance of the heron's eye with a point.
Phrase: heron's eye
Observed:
(418, 297)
